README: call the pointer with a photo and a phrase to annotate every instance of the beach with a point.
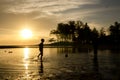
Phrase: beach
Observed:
(23, 64)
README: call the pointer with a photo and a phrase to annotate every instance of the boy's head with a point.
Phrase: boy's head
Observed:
(42, 40)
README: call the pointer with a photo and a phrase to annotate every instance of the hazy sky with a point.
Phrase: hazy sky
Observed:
(41, 16)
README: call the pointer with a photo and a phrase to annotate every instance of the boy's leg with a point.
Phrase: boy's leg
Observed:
(39, 55)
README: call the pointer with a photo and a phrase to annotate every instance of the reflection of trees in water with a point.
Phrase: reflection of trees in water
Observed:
(95, 64)
(95, 59)
(115, 51)
(64, 50)
(97, 73)
(114, 60)
(73, 50)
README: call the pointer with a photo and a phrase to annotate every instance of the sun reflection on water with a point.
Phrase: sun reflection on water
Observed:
(26, 65)
(26, 62)
(26, 53)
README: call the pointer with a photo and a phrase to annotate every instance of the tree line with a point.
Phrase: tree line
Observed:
(81, 33)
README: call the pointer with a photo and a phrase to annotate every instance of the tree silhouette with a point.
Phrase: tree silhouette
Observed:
(78, 32)
(115, 33)
(55, 32)
(102, 37)
(75, 31)
(72, 28)
(94, 34)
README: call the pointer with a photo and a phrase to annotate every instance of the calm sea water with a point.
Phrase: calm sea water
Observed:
(22, 64)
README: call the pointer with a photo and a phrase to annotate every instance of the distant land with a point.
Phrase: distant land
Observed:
(17, 46)
(36, 46)
(63, 45)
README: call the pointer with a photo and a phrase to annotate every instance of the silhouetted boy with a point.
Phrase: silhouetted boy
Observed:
(41, 49)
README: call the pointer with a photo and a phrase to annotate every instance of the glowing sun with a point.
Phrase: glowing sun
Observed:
(26, 33)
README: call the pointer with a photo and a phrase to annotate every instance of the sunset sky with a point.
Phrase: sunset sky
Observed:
(41, 16)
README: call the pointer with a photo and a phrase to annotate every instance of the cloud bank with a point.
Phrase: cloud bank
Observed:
(43, 15)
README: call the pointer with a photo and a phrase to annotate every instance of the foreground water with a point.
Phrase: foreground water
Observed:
(22, 64)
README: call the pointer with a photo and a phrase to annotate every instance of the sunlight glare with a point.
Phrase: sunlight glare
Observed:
(26, 53)
(26, 65)
(26, 56)
(26, 33)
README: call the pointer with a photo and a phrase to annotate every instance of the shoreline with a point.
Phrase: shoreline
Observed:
(101, 47)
